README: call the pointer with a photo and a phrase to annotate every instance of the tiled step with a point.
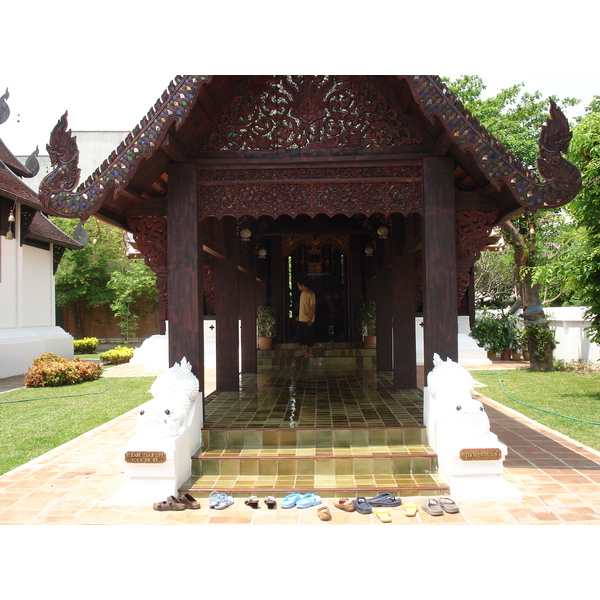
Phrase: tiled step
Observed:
(327, 354)
(340, 461)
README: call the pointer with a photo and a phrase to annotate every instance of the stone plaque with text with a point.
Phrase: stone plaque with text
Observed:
(145, 457)
(481, 454)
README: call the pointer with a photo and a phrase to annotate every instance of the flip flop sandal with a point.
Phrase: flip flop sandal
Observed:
(432, 507)
(308, 500)
(213, 498)
(362, 506)
(224, 502)
(270, 502)
(291, 500)
(384, 515)
(410, 510)
(448, 505)
(171, 503)
(379, 497)
(252, 501)
(384, 500)
(190, 502)
(324, 513)
(344, 504)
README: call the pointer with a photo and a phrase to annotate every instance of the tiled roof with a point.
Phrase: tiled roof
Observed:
(9, 159)
(13, 188)
(43, 229)
(562, 180)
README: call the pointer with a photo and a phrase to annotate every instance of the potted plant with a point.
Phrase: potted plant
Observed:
(266, 323)
(509, 334)
(487, 332)
(367, 318)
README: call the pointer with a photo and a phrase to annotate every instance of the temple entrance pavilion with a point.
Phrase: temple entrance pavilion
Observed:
(376, 187)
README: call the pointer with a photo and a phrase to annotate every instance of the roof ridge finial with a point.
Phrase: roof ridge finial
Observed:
(4, 108)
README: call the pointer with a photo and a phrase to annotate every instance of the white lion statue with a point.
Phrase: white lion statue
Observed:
(174, 393)
(450, 388)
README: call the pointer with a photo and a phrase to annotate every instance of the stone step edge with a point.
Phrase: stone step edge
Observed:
(425, 454)
(324, 492)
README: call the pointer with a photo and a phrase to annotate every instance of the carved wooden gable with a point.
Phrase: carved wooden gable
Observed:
(291, 112)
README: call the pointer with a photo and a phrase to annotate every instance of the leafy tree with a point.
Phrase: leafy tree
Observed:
(133, 282)
(102, 275)
(83, 275)
(584, 152)
(516, 117)
(494, 279)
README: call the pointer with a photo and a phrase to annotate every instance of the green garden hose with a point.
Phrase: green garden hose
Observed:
(56, 397)
(541, 409)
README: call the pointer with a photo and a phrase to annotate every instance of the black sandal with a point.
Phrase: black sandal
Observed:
(252, 501)
(270, 502)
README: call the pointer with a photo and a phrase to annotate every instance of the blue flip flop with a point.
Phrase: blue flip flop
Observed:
(291, 500)
(308, 500)
(386, 499)
(362, 506)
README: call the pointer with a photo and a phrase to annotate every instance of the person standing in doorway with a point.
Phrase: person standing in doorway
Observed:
(306, 319)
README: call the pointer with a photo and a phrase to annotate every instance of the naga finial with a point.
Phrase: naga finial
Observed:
(64, 156)
(4, 108)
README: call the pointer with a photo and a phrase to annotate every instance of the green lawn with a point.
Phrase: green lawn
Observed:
(556, 393)
(35, 420)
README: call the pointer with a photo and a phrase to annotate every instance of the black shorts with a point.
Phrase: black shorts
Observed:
(305, 334)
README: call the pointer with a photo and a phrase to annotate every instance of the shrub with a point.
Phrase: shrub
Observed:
(86, 345)
(49, 370)
(117, 355)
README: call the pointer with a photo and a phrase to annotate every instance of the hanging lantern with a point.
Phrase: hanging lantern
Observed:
(369, 251)
(262, 253)
(382, 233)
(245, 234)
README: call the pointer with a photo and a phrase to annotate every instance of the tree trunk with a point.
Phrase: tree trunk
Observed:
(523, 244)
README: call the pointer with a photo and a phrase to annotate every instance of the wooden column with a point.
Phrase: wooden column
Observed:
(355, 288)
(403, 311)
(248, 317)
(384, 320)
(184, 271)
(276, 300)
(439, 261)
(227, 309)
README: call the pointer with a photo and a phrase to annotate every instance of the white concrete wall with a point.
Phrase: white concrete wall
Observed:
(38, 288)
(468, 350)
(573, 342)
(27, 314)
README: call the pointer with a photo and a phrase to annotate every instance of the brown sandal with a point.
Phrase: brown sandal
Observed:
(190, 502)
(252, 501)
(270, 502)
(324, 513)
(344, 504)
(171, 503)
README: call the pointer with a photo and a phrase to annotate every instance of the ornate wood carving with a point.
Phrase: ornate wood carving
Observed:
(308, 191)
(287, 112)
(473, 228)
(150, 232)
(209, 280)
(290, 242)
(563, 180)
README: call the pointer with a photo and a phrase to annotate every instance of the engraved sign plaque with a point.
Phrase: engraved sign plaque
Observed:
(145, 457)
(481, 454)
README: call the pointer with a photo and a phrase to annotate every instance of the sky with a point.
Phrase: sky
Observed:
(108, 63)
